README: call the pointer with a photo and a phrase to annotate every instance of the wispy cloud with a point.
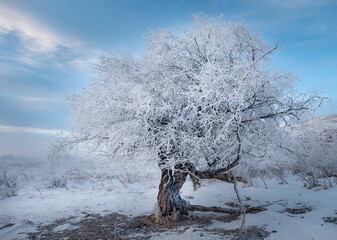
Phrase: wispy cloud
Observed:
(39, 44)
(35, 37)
(4, 128)
(39, 99)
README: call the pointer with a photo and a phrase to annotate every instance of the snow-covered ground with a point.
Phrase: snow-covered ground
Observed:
(37, 193)
(29, 209)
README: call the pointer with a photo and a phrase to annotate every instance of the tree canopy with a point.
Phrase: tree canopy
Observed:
(204, 95)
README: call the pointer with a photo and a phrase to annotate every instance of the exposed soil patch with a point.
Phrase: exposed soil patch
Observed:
(330, 220)
(250, 233)
(92, 227)
(118, 226)
(300, 210)
(7, 225)
(253, 233)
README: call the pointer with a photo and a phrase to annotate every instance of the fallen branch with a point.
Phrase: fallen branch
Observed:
(213, 209)
(200, 208)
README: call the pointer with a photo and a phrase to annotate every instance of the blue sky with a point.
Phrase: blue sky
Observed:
(48, 48)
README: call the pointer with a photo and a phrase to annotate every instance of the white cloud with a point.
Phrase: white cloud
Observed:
(41, 43)
(28, 61)
(39, 99)
(86, 62)
(35, 37)
(4, 128)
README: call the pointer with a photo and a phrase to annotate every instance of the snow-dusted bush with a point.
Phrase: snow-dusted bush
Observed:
(316, 151)
(19, 175)
(15, 172)
(8, 186)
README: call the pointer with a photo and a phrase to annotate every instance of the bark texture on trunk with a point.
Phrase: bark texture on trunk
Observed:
(168, 199)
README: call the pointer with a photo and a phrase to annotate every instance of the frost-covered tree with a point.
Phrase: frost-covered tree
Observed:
(203, 101)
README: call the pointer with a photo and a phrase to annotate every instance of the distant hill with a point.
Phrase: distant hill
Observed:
(330, 120)
(323, 125)
(326, 126)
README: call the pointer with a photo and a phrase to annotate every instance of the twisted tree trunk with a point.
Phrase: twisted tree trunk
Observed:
(168, 199)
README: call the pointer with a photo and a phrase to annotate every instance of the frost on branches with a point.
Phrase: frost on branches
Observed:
(202, 101)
